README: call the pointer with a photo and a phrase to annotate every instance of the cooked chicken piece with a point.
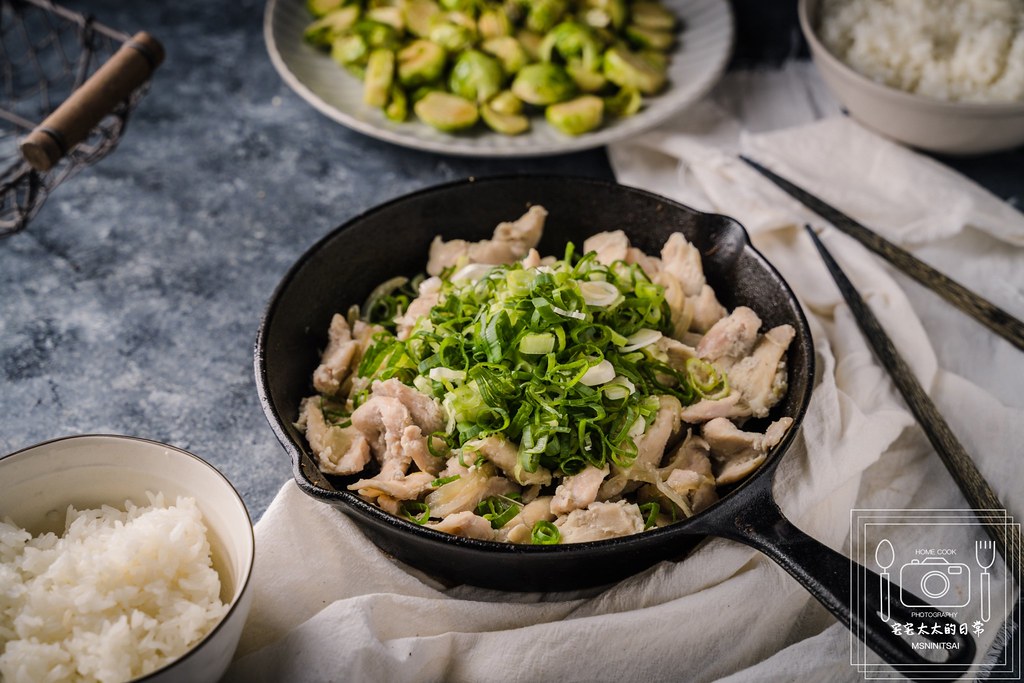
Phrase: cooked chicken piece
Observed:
(505, 455)
(681, 259)
(706, 310)
(467, 491)
(689, 474)
(676, 351)
(465, 524)
(579, 490)
(731, 338)
(389, 504)
(650, 448)
(600, 521)
(345, 348)
(532, 259)
(339, 450)
(426, 412)
(429, 295)
(382, 420)
(678, 303)
(706, 409)
(520, 528)
(761, 376)
(415, 445)
(452, 467)
(738, 453)
(610, 246)
(511, 242)
(409, 487)
(651, 265)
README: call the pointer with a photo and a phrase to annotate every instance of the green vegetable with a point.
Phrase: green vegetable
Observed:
(350, 50)
(380, 73)
(397, 108)
(377, 34)
(577, 116)
(648, 38)
(446, 112)
(319, 8)
(328, 27)
(706, 379)
(585, 79)
(390, 15)
(498, 510)
(476, 76)
(545, 533)
(625, 102)
(517, 348)
(570, 40)
(494, 23)
(420, 15)
(506, 103)
(606, 13)
(451, 36)
(531, 43)
(416, 512)
(420, 62)
(627, 70)
(650, 513)
(506, 124)
(444, 480)
(508, 51)
(651, 15)
(543, 84)
(544, 14)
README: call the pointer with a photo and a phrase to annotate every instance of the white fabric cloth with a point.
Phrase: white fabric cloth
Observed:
(329, 606)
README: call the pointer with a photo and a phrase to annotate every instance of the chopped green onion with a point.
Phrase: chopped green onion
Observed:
(650, 513)
(706, 379)
(416, 512)
(545, 533)
(498, 510)
(537, 344)
(445, 480)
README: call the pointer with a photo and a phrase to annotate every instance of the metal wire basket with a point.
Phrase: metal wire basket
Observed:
(67, 87)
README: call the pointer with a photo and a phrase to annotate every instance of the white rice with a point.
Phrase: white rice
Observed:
(959, 50)
(119, 595)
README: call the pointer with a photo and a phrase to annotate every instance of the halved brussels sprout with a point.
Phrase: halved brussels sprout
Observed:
(577, 116)
(508, 51)
(350, 50)
(506, 124)
(323, 31)
(319, 8)
(650, 39)
(544, 14)
(571, 40)
(419, 16)
(626, 102)
(446, 112)
(652, 15)
(658, 60)
(606, 13)
(398, 104)
(627, 70)
(377, 34)
(476, 76)
(380, 74)
(506, 102)
(587, 80)
(451, 36)
(391, 15)
(543, 84)
(531, 43)
(459, 5)
(420, 62)
(493, 23)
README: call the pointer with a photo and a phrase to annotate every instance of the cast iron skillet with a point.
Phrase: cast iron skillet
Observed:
(394, 238)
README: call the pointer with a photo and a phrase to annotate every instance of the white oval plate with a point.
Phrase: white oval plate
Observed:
(697, 63)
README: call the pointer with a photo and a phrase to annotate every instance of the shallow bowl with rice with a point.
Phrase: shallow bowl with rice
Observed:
(962, 126)
(158, 588)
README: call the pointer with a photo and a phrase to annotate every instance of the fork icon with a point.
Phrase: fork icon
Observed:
(985, 554)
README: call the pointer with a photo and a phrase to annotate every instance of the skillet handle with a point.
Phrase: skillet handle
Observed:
(829, 577)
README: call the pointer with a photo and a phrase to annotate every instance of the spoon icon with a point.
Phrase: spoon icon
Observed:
(884, 557)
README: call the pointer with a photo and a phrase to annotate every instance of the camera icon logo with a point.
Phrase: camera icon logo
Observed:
(941, 582)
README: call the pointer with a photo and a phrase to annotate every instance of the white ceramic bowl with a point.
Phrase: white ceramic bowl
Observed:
(958, 128)
(38, 483)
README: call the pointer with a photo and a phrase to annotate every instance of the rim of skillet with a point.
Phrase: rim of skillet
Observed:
(377, 515)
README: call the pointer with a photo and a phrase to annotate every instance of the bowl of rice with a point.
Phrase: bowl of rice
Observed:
(944, 76)
(121, 559)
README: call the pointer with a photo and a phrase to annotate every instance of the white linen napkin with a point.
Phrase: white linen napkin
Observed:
(329, 606)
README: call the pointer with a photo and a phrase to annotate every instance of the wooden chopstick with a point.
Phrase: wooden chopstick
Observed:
(988, 314)
(960, 465)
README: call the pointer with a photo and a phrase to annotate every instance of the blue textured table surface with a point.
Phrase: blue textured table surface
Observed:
(131, 303)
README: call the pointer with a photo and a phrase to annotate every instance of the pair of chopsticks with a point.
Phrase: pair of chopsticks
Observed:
(965, 473)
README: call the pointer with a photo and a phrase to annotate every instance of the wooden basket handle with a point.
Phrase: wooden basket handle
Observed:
(71, 122)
